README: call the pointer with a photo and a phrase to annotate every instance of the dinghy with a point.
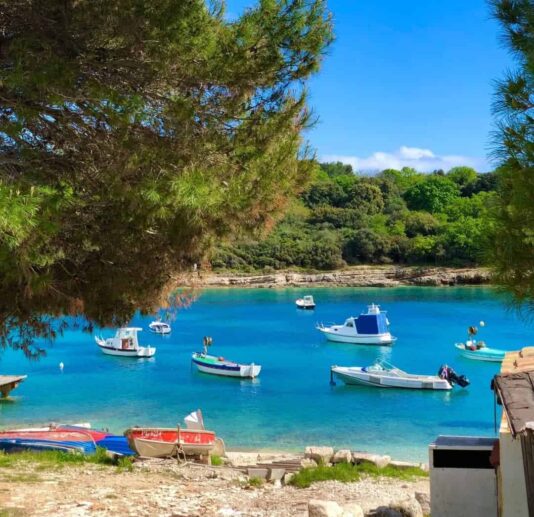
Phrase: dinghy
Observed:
(220, 366)
(306, 302)
(125, 344)
(161, 442)
(370, 328)
(477, 350)
(159, 327)
(56, 440)
(384, 375)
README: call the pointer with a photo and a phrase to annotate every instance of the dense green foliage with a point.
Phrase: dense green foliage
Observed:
(514, 147)
(348, 473)
(393, 217)
(132, 135)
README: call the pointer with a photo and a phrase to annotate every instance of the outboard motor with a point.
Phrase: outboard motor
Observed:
(446, 372)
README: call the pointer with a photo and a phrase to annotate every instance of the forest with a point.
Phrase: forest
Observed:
(394, 217)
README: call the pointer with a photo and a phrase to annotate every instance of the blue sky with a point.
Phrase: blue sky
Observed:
(407, 82)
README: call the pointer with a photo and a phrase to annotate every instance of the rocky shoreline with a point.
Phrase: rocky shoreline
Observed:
(358, 276)
(155, 487)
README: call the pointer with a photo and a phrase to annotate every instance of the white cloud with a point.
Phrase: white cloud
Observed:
(423, 160)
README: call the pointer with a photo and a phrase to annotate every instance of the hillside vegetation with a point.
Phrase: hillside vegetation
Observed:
(397, 216)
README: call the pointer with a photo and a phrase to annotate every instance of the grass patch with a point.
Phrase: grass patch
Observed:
(216, 461)
(255, 482)
(348, 473)
(56, 459)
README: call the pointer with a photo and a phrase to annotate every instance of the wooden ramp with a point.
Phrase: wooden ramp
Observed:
(9, 382)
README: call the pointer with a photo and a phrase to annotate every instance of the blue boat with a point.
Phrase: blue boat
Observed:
(48, 440)
(480, 353)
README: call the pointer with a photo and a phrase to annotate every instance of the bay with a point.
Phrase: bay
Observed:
(291, 404)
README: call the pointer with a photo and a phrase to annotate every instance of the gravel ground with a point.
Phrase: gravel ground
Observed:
(165, 488)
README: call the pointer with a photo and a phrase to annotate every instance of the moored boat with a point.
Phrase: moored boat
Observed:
(384, 375)
(306, 302)
(370, 328)
(220, 366)
(477, 350)
(125, 344)
(160, 327)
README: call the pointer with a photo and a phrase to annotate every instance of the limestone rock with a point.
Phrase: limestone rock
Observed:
(342, 456)
(375, 459)
(352, 510)
(307, 463)
(319, 454)
(408, 507)
(424, 500)
(319, 508)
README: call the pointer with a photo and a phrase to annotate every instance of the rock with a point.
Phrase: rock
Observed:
(352, 510)
(405, 464)
(258, 473)
(408, 507)
(384, 511)
(342, 456)
(306, 463)
(375, 459)
(288, 477)
(319, 508)
(424, 500)
(276, 474)
(321, 455)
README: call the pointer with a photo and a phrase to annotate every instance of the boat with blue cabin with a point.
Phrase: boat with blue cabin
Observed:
(369, 328)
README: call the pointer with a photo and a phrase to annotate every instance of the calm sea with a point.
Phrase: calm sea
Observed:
(291, 404)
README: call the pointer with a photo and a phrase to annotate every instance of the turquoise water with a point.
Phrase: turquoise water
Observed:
(291, 404)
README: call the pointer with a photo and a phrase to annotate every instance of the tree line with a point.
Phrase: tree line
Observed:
(395, 217)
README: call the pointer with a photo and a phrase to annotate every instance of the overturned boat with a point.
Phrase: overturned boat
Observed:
(384, 375)
(369, 328)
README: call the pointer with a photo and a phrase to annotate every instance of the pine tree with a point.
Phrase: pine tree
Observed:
(135, 133)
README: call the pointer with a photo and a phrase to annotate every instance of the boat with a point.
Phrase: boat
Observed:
(220, 366)
(160, 327)
(161, 442)
(125, 344)
(306, 302)
(9, 382)
(477, 350)
(117, 445)
(73, 441)
(369, 328)
(384, 375)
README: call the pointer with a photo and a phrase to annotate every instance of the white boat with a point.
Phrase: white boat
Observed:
(370, 328)
(384, 375)
(306, 302)
(125, 344)
(160, 327)
(220, 366)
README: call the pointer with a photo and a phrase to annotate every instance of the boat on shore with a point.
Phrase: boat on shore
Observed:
(306, 302)
(384, 375)
(72, 441)
(477, 350)
(125, 344)
(206, 363)
(161, 442)
(160, 327)
(369, 328)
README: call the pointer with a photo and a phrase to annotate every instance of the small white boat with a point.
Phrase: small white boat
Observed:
(220, 366)
(477, 350)
(306, 302)
(370, 328)
(384, 375)
(159, 327)
(125, 344)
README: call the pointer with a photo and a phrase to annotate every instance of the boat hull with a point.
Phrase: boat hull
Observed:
(357, 339)
(482, 354)
(226, 369)
(358, 377)
(142, 351)
(165, 443)
(61, 440)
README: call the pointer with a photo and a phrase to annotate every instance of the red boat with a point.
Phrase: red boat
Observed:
(157, 442)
